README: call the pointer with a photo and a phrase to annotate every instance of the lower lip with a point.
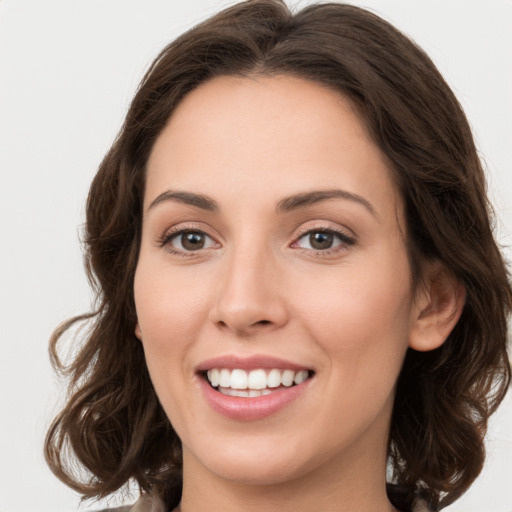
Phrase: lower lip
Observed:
(251, 409)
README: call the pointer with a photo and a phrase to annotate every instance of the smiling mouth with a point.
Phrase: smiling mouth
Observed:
(250, 384)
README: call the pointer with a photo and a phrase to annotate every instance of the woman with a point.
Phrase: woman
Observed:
(296, 274)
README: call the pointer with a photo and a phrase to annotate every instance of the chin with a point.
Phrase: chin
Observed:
(247, 463)
(263, 472)
(271, 461)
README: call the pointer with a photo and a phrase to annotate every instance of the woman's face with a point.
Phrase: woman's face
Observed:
(272, 252)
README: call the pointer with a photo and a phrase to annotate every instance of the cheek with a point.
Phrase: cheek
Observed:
(169, 309)
(361, 319)
(168, 305)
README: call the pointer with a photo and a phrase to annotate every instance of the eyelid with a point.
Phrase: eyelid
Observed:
(324, 225)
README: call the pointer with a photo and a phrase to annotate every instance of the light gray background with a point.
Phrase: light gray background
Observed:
(68, 70)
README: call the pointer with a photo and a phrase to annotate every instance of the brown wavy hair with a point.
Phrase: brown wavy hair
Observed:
(113, 425)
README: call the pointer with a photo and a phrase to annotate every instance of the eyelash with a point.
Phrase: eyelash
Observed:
(165, 241)
(345, 241)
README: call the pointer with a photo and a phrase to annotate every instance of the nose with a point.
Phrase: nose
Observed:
(249, 297)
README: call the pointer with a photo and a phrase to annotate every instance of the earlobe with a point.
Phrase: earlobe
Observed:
(138, 332)
(439, 304)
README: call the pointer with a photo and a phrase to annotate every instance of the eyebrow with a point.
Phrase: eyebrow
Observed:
(304, 199)
(197, 200)
(287, 204)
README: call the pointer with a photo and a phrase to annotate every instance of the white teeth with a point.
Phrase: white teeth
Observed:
(300, 377)
(259, 380)
(225, 378)
(233, 392)
(214, 377)
(245, 393)
(273, 378)
(238, 379)
(287, 378)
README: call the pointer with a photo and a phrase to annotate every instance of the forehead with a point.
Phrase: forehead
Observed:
(273, 135)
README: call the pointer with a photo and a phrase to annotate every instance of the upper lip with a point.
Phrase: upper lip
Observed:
(253, 362)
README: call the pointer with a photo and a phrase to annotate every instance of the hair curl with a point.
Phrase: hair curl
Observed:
(113, 423)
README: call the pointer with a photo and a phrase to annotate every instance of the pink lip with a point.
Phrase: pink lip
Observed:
(249, 363)
(251, 409)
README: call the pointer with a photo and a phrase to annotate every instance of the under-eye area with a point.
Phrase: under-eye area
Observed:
(254, 383)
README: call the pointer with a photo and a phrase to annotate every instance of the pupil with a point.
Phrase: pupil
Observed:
(320, 240)
(193, 241)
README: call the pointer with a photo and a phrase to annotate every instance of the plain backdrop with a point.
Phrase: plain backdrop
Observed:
(68, 69)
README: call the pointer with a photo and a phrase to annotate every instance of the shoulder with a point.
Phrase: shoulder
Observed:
(420, 506)
(143, 504)
(126, 508)
(153, 504)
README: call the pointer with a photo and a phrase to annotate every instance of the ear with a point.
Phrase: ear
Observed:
(138, 332)
(439, 303)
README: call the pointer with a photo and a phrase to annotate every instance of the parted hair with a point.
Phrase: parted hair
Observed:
(113, 428)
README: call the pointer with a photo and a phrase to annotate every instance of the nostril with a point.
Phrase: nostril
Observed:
(263, 322)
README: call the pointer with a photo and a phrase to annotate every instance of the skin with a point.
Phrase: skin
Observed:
(258, 287)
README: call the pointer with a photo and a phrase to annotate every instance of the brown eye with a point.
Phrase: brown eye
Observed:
(321, 240)
(191, 241)
(324, 240)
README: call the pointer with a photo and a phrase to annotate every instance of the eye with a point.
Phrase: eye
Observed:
(323, 240)
(188, 240)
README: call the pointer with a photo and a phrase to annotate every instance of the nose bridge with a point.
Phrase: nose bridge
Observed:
(248, 295)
